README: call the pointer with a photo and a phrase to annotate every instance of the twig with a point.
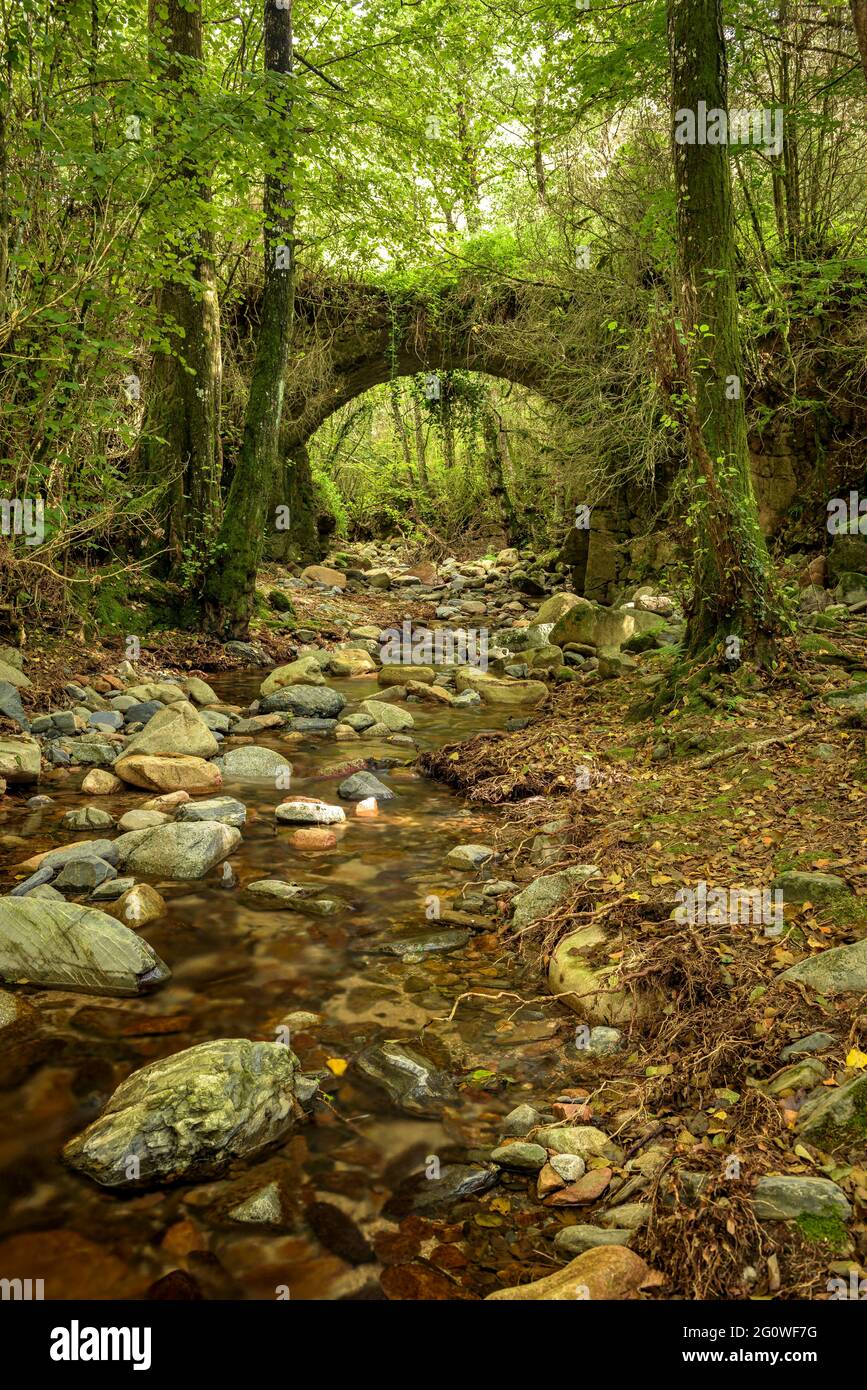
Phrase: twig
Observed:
(721, 753)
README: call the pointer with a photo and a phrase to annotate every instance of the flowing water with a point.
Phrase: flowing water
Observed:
(238, 972)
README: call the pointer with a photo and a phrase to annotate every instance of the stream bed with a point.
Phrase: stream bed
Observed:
(363, 1200)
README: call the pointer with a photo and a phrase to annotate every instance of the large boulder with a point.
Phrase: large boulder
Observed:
(591, 992)
(68, 946)
(316, 702)
(181, 849)
(500, 690)
(251, 764)
(593, 625)
(322, 574)
(554, 607)
(179, 728)
(840, 970)
(164, 774)
(190, 1115)
(20, 758)
(305, 671)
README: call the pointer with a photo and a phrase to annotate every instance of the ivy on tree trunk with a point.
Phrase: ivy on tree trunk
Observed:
(180, 451)
(231, 581)
(733, 583)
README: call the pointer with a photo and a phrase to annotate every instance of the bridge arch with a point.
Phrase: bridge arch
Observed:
(351, 337)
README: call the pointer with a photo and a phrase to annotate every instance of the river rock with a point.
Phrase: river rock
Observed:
(164, 774)
(593, 625)
(11, 706)
(558, 604)
(409, 1078)
(98, 782)
(605, 1272)
(840, 970)
(165, 691)
(361, 785)
(302, 812)
(305, 671)
(585, 1141)
(836, 1119)
(779, 1197)
(294, 897)
(178, 728)
(500, 690)
(178, 850)
(68, 946)
(87, 818)
(591, 991)
(574, 1240)
(83, 875)
(13, 675)
(542, 895)
(190, 1115)
(323, 574)
(252, 764)
(84, 849)
(392, 716)
(469, 856)
(526, 1158)
(310, 701)
(137, 906)
(140, 818)
(520, 1121)
(220, 808)
(20, 759)
(199, 690)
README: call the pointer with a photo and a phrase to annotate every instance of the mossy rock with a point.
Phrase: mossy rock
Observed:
(836, 1119)
(280, 602)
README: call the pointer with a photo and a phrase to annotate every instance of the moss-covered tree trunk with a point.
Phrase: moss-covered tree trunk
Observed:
(420, 444)
(180, 452)
(859, 19)
(496, 460)
(733, 583)
(231, 580)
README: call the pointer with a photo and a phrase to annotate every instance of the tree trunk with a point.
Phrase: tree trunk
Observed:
(400, 430)
(496, 457)
(231, 581)
(180, 450)
(733, 585)
(420, 445)
(859, 19)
